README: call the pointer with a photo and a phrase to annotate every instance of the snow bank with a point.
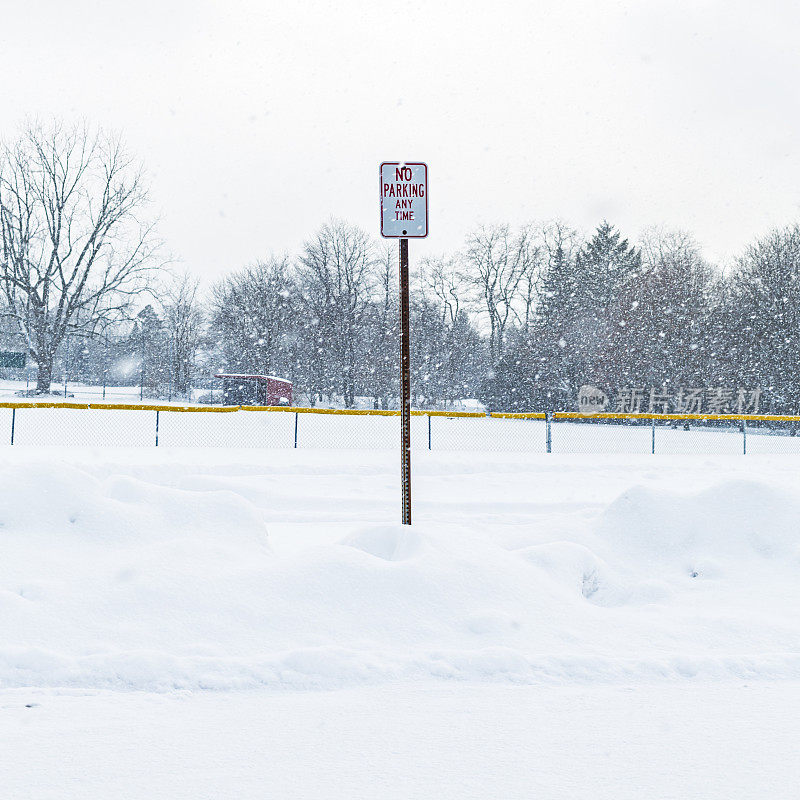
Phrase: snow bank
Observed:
(127, 577)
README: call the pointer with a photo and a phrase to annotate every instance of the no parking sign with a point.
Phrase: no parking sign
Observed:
(404, 216)
(404, 200)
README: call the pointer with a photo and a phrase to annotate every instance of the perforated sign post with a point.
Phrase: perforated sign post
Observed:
(404, 216)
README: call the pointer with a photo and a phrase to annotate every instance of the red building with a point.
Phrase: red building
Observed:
(255, 390)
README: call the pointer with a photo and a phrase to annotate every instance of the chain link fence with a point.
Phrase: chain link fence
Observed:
(104, 425)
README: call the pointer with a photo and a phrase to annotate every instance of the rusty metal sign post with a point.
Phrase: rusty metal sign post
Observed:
(404, 216)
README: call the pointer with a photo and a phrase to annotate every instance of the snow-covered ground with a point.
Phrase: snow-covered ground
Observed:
(407, 742)
(214, 622)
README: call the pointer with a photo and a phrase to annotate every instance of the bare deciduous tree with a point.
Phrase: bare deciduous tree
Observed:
(383, 330)
(442, 278)
(498, 262)
(337, 280)
(74, 248)
(252, 315)
(183, 322)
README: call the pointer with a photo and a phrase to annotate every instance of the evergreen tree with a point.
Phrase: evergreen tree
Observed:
(762, 319)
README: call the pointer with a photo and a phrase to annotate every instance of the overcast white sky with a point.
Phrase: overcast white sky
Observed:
(257, 121)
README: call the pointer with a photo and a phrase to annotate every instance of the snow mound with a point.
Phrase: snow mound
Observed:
(109, 579)
(734, 520)
(576, 569)
(65, 506)
(388, 542)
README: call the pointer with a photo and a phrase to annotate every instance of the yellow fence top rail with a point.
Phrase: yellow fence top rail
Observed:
(377, 412)
(556, 415)
(679, 417)
(527, 415)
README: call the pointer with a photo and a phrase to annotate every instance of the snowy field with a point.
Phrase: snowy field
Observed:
(228, 622)
(11, 390)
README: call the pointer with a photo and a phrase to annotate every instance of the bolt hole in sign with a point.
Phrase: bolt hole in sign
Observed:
(404, 200)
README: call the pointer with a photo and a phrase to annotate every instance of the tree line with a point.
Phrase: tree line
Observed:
(519, 318)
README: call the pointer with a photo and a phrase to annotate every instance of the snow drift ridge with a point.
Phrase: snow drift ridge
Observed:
(118, 582)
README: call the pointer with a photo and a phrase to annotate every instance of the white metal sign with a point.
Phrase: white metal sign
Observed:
(404, 200)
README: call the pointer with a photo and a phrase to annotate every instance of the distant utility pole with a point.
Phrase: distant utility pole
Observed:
(170, 365)
(141, 371)
(66, 367)
(105, 366)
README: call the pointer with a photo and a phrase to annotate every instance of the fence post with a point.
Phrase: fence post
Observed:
(429, 431)
(744, 437)
(157, 413)
(296, 416)
(653, 443)
(547, 435)
(13, 420)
